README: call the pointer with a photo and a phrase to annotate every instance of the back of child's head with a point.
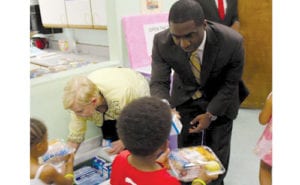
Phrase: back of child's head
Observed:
(37, 131)
(144, 125)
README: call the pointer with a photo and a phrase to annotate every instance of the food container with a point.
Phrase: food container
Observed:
(57, 153)
(187, 163)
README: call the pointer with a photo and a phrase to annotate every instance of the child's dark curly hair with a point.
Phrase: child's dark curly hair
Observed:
(144, 125)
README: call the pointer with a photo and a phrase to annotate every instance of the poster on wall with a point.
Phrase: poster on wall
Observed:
(151, 6)
(139, 31)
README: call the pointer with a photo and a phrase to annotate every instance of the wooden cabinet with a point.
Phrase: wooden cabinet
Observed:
(79, 13)
(53, 13)
(99, 14)
(89, 14)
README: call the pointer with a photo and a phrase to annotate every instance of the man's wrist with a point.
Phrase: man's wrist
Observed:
(211, 116)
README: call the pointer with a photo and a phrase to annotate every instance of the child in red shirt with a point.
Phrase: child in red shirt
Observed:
(144, 126)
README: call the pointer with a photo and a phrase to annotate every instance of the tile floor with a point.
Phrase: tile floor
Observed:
(243, 166)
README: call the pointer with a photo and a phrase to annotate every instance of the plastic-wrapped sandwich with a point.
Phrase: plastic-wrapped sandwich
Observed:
(57, 154)
(186, 163)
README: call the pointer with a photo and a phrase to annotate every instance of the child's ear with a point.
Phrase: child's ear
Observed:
(39, 147)
(42, 145)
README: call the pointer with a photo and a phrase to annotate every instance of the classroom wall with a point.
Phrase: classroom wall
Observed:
(84, 36)
(116, 10)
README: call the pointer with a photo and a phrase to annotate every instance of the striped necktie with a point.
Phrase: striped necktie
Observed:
(195, 65)
(196, 69)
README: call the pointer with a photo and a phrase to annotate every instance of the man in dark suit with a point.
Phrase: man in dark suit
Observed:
(231, 19)
(211, 102)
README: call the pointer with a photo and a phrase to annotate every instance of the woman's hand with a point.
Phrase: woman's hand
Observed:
(176, 113)
(117, 147)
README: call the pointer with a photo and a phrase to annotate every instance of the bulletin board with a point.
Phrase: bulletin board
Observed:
(139, 31)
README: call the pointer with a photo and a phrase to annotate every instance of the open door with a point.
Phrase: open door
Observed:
(256, 27)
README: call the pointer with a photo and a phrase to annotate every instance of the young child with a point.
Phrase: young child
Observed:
(45, 174)
(144, 126)
(264, 145)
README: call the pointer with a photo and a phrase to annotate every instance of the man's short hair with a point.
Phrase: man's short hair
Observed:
(185, 10)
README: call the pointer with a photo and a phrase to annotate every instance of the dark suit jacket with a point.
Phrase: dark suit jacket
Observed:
(211, 11)
(221, 71)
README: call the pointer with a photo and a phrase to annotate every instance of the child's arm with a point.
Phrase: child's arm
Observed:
(203, 178)
(51, 176)
(163, 157)
(266, 112)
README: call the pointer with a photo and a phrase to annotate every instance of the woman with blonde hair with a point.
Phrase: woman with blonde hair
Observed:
(99, 98)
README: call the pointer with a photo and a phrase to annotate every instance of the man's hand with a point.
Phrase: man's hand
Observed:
(116, 147)
(200, 123)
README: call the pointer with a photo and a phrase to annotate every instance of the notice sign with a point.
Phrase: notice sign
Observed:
(150, 30)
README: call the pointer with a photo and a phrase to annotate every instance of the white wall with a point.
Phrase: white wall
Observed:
(84, 36)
